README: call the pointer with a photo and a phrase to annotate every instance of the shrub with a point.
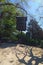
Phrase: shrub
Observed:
(13, 38)
(41, 44)
(33, 42)
(22, 38)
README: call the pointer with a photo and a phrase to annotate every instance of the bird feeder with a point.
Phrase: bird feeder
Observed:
(21, 23)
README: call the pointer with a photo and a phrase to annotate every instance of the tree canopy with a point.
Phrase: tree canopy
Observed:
(8, 15)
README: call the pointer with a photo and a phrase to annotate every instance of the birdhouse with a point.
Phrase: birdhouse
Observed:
(21, 23)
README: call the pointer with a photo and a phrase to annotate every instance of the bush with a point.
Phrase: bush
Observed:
(22, 38)
(13, 38)
(33, 42)
(4, 39)
(41, 44)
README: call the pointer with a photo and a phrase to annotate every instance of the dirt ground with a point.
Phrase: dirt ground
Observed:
(18, 54)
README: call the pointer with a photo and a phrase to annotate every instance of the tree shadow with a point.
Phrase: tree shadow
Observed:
(33, 58)
(5, 45)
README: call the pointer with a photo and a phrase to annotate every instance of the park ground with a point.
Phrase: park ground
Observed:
(19, 54)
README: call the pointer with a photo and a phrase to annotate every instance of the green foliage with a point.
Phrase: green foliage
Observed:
(34, 42)
(2, 0)
(41, 43)
(8, 21)
(13, 37)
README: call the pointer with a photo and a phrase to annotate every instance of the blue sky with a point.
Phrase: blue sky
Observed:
(32, 7)
(35, 4)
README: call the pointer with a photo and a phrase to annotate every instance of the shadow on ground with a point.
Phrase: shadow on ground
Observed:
(34, 60)
(5, 45)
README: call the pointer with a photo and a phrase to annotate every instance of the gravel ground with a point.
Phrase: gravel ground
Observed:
(12, 54)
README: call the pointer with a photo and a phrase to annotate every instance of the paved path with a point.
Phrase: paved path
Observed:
(20, 55)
